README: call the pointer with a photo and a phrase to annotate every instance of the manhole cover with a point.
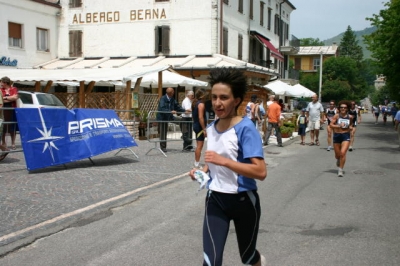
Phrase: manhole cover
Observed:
(368, 172)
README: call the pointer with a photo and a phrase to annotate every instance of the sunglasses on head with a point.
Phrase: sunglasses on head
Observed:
(343, 107)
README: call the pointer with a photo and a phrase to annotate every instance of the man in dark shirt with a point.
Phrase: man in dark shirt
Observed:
(167, 107)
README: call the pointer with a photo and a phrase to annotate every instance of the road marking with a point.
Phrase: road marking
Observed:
(90, 207)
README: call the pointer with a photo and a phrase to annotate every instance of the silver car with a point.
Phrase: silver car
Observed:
(29, 99)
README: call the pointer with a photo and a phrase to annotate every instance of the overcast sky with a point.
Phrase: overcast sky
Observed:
(325, 19)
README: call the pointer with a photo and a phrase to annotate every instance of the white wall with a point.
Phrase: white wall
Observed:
(31, 15)
(190, 27)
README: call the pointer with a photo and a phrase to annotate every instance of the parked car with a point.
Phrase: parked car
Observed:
(29, 99)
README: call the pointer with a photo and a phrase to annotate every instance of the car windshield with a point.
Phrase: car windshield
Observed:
(49, 100)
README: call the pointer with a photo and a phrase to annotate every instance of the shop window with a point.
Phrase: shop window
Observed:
(14, 34)
(162, 34)
(42, 39)
(75, 3)
(75, 43)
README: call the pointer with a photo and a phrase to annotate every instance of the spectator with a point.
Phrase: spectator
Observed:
(167, 107)
(2, 147)
(187, 127)
(274, 122)
(234, 160)
(10, 97)
(302, 125)
(313, 114)
(250, 109)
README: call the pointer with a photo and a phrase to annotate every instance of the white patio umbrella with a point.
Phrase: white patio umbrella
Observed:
(169, 79)
(278, 87)
(306, 92)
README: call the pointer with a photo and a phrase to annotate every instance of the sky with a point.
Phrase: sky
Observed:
(325, 19)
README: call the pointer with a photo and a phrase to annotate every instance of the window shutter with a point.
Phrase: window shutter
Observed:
(240, 47)
(156, 41)
(79, 50)
(165, 39)
(225, 42)
(71, 43)
(14, 30)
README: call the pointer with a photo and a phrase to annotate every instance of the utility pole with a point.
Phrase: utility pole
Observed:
(320, 77)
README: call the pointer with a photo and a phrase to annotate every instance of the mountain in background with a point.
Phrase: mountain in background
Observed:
(359, 34)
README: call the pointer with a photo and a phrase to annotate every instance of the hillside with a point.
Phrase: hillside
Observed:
(359, 34)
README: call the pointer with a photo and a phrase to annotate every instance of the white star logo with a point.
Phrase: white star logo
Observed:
(46, 138)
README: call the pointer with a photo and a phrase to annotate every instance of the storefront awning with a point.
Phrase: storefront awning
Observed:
(274, 52)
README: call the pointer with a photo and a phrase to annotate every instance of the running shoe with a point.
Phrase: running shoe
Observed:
(263, 260)
(351, 148)
(329, 148)
(340, 173)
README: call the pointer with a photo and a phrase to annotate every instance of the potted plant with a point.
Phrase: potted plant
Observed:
(287, 129)
(136, 113)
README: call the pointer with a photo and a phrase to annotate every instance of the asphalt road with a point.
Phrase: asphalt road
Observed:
(309, 215)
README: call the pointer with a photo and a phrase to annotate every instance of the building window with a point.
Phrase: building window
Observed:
(225, 42)
(316, 63)
(14, 35)
(42, 39)
(162, 0)
(262, 13)
(240, 8)
(240, 47)
(75, 43)
(276, 26)
(269, 19)
(75, 3)
(162, 40)
(226, 2)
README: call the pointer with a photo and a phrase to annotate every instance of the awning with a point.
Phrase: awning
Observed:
(274, 52)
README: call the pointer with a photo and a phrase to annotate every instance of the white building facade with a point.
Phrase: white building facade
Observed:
(247, 30)
(30, 32)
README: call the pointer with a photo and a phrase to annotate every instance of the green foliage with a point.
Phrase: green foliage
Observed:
(311, 42)
(289, 124)
(385, 46)
(310, 81)
(359, 37)
(285, 130)
(349, 46)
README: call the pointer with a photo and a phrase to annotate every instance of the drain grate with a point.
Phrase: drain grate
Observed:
(368, 172)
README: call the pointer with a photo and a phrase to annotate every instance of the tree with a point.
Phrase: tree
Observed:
(349, 46)
(311, 42)
(385, 46)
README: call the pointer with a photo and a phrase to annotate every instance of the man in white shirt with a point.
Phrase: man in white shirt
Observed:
(187, 125)
(313, 114)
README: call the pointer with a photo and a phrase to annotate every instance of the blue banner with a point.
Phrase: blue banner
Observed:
(53, 136)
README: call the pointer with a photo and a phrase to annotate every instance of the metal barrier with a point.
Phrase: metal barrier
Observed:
(164, 127)
(131, 123)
